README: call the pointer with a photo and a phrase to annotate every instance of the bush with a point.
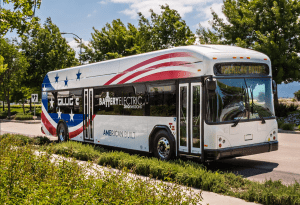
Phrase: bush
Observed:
(280, 123)
(288, 126)
(20, 116)
(24, 140)
(26, 178)
(282, 110)
(297, 95)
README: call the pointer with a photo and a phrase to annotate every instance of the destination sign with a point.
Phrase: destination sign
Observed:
(241, 69)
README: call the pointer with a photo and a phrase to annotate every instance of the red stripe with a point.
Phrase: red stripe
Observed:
(165, 76)
(80, 130)
(151, 60)
(51, 129)
(167, 64)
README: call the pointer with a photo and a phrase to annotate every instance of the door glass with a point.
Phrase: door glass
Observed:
(91, 113)
(85, 113)
(196, 116)
(183, 116)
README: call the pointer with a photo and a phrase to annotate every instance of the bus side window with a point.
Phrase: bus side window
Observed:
(76, 102)
(162, 100)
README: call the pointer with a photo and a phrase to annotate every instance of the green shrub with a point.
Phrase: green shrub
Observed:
(282, 110)
(280, 123)
(298, 127)
(26, 178)
(20, 116)
(288, 126)
(24, 140)
(297, 95)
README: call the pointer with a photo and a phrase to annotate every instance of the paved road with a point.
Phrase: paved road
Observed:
(283, 164)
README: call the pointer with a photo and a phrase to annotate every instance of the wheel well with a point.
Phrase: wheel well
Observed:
(65, 124)
(153, 133)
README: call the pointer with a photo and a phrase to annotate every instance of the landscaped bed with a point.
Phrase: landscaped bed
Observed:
(183, 172)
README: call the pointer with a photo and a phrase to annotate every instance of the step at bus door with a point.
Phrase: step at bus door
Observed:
(88, 111)
(189, 118)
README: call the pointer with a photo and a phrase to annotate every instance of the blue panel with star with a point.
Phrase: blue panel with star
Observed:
(78, 118)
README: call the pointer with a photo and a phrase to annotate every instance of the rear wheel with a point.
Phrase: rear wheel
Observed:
(62, 133)
(163, 146)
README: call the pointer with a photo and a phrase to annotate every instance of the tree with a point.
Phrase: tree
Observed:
(16, 66)
(21, 17)
(271, 27)
(45, 50)
(112, 41)
(163, 31)
(115, 40)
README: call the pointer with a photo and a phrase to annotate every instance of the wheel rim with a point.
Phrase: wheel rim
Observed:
(61, 134)
(163, 147)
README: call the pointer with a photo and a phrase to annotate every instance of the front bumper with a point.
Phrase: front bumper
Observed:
(240, 151)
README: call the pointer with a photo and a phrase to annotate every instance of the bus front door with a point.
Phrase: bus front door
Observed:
(88, 111)
(189, 118)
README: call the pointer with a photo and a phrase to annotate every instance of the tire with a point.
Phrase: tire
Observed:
(163, 147)
(62, 132)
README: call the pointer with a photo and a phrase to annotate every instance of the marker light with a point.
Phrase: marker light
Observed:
(234, 57)
(214, 58)
(241, 57)
(220, 145)
(274, 138)
(265, 59)
(248, 57)
(199, 70)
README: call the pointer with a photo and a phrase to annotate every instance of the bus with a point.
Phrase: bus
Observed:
(202, 101)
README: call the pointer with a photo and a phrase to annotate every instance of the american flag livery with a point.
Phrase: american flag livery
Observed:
(153, 67)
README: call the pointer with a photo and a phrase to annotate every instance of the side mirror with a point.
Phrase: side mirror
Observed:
(274, 86)
(211, 85)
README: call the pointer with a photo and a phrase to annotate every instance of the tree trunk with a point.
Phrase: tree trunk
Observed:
(8, 104)
(3, 105)
(23, 102)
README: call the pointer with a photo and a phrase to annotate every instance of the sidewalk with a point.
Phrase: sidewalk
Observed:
(22, 121)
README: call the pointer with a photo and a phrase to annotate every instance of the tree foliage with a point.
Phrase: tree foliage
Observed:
(112, 41)
(46, 50)
(19, 17)
(271, 27)
(16, 66)
(115, 40)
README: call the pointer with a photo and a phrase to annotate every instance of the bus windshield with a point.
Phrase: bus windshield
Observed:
(240, 99)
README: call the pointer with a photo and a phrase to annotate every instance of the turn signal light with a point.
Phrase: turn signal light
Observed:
(248, 57)
(241, 57)
(214, 58)
(274, 138)
(234, 57)
(265, 59)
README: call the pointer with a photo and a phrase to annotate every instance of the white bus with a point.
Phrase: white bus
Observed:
(209, 102)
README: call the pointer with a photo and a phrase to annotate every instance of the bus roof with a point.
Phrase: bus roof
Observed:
(180, 62)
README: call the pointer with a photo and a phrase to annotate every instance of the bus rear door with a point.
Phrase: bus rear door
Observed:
(88, 109)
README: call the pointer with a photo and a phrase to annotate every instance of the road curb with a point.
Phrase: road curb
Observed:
(288, 131)
(22, 121)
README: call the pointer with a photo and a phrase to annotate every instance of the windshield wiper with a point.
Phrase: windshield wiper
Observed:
(238, 120)
(262, 119)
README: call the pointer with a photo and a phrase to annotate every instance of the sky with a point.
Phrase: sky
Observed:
(79, 17)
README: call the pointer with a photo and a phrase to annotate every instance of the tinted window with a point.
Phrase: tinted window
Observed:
(125, 100)
(162, 99)
(68, 101)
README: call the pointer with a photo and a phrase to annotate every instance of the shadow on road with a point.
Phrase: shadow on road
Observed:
(244, 167)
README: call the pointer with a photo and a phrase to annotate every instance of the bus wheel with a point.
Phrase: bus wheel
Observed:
(163, 148)
(62, 132)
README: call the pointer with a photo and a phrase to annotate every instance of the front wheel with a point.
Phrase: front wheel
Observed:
(163, 146)
(62, 132)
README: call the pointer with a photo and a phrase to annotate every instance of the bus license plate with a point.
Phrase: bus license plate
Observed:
(248, 137)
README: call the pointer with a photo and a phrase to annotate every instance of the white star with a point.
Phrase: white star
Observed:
(59, 113)
(71, 116)
(51, 103)
(44, 88)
